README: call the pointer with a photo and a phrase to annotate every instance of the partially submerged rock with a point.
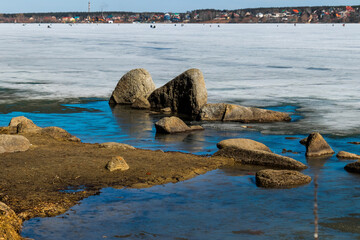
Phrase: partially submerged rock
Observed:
(353, 167)
(242, 143)
(184, 94)
(117, 163)
(23, 125)
(173, 125)
(13, 143)
(316, 145)
(134, 84)
(59, 134)
(10, 224)
(261, 158)
(347, 155)
(116, 145)
(141, 103)
(269, 178)
(236, 113)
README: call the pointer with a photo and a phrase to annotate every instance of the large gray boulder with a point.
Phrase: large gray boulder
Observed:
(13, 143)
(22, 125)
(260, 158)
(10, 223)
(134, 84)
(316, 145)
(184, 94)
(280, 178)
(236, 113)
(173, 125)
(242, 143)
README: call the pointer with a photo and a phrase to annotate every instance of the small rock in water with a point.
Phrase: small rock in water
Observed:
(141, 103)
(291, 138)
(353, 167)
(356, 143)
(171, 125)
(316, 145)
(116, 145)
(347, 155)
(166, 110)
(280, 178)
(242, 143)
(117, 163)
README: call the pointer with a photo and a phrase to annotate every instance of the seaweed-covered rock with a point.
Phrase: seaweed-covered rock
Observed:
(236, 113)
(243, 143)
(347, 155)
(134, 84)
(316, 145)
(59, 134)
(261, 158)
(269, 178)
(13, 143)
(185, 94)
(10, 224)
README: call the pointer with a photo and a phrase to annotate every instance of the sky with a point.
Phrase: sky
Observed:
(33, 6)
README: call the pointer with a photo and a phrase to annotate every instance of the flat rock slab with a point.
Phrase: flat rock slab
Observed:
(237, 113)
(242, 143)
(116, 145)
(281, 178)
(260, 158)
(347, 155)
(353, 167)
(13, 143)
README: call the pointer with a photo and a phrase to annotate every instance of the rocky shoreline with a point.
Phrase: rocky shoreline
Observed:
(40, 165)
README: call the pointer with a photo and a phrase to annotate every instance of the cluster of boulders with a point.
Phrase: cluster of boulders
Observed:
(9, 142)
(186, 94)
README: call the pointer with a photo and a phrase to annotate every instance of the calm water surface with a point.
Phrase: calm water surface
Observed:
(63, 77)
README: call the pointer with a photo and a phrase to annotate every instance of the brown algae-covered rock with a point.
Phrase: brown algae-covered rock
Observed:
(260, 158)
(134, 84)
(10, 224)
(184, 94)
(13, 143)
(243, 143)
(347, 155)
(316, 145)
(269, 178)
(117, 163)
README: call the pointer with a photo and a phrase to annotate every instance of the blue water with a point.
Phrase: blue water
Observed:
(64, 76)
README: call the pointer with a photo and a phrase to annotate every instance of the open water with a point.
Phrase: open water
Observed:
(63, 76)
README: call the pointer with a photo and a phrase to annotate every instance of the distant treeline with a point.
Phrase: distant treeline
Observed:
(325, 14)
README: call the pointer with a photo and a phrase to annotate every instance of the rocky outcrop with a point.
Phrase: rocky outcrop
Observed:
(10, 224)
(316, 145)
(13, 143)
(141, 103)
(185, 94)
(261, 158)
(347, 155)
(242, 143)
(116, 145)
(134, 84)
(22, 125)
(59, 134)
(236, 113)
(280, 178)
(173, 125)
(117, 163)
(353, 167)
